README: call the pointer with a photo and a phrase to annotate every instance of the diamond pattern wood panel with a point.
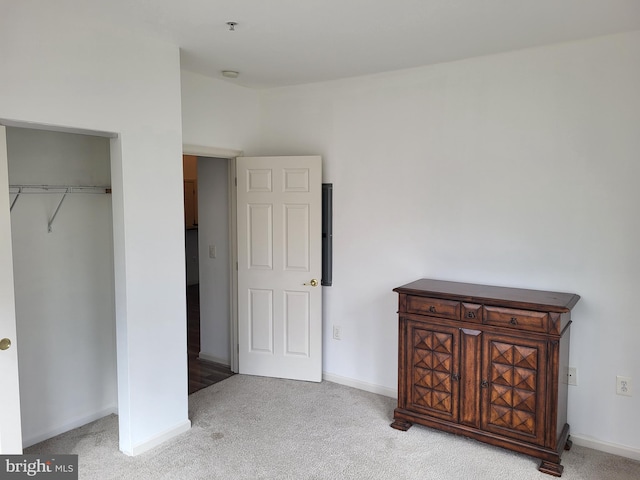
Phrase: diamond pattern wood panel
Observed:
(513, 375)
(432, 360)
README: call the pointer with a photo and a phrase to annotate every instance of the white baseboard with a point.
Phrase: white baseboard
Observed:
(582, 440)
(214, 359)
(158, 439)
(367, 387)
(616, 449)
(65, 427)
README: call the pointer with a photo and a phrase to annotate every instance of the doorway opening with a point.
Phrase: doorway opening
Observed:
(208, 259)
(63, 257)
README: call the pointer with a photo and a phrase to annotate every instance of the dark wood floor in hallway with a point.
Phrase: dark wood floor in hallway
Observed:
(201, 372)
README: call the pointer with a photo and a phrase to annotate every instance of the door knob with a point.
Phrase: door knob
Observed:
(313, 283)
(5, 343)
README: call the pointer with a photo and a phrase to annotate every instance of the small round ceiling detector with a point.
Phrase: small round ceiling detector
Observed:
(232, 26)
(230, 73)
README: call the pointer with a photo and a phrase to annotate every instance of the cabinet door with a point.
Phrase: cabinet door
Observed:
(513, 397)
(431, 365)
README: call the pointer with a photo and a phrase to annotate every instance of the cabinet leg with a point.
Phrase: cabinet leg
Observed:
(551, 468)
(568, 444)
(401, 425)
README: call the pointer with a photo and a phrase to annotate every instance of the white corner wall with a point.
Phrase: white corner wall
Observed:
(215, 284)
(65, 69)
(518, 169)
(64, 292)
(218, 114)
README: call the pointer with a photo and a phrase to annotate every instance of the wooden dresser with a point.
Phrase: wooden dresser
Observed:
(486, 362)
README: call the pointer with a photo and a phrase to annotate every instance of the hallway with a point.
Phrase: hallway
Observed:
(201, 372)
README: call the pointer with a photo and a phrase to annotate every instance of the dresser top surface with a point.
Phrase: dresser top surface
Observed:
(487, 294)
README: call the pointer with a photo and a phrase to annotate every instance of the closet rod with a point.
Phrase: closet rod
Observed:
(59, 189)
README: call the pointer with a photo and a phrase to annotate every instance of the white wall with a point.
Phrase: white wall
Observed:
(217, 113)
(63, 283)
(213, 230)
(517, 169)
(62, 68)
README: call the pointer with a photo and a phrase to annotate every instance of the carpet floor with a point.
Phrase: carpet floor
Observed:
(249, 427)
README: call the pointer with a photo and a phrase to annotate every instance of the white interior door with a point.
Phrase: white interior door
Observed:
(10, 425)
(279, 213)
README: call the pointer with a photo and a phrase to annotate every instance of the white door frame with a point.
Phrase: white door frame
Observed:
(230, 155)
(10, 420)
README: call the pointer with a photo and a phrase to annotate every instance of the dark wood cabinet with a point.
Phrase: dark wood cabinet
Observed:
(486, 362)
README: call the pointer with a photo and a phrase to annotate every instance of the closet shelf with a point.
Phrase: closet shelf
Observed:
(63, 190)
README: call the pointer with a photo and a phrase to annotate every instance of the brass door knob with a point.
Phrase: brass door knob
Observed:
(5, 343)
(313, 283)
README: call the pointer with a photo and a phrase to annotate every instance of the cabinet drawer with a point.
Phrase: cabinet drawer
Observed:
(472, 313)
(519, 319)
(434, 307)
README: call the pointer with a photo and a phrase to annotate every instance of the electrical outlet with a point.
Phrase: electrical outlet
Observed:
(337, 332)
(572, 376)
(212, 251)
(623, 386)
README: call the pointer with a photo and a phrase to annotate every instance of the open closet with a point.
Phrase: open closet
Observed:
(62, 237)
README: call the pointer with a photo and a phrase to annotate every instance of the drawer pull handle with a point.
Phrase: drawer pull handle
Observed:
(455, 377)
(484, 384)
(471, 314)
(513, 321)
(432, 309)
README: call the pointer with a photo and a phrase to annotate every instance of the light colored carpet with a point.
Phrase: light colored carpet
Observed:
(262, 428)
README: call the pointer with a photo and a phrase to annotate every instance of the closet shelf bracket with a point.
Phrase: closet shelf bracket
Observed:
(15, 199)
(57, 209)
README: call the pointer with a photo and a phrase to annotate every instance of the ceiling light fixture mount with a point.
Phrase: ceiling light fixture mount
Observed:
(232, 26)
(230, 74)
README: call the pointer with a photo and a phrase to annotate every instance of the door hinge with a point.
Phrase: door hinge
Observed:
(236, 265)
(236, 181)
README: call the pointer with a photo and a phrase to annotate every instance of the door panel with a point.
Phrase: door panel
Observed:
(296, 247)
(260, 235)
(279, 210)
(296, 318)
(513, 403)
(10, 426)
(432, 363)
(261, 320)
